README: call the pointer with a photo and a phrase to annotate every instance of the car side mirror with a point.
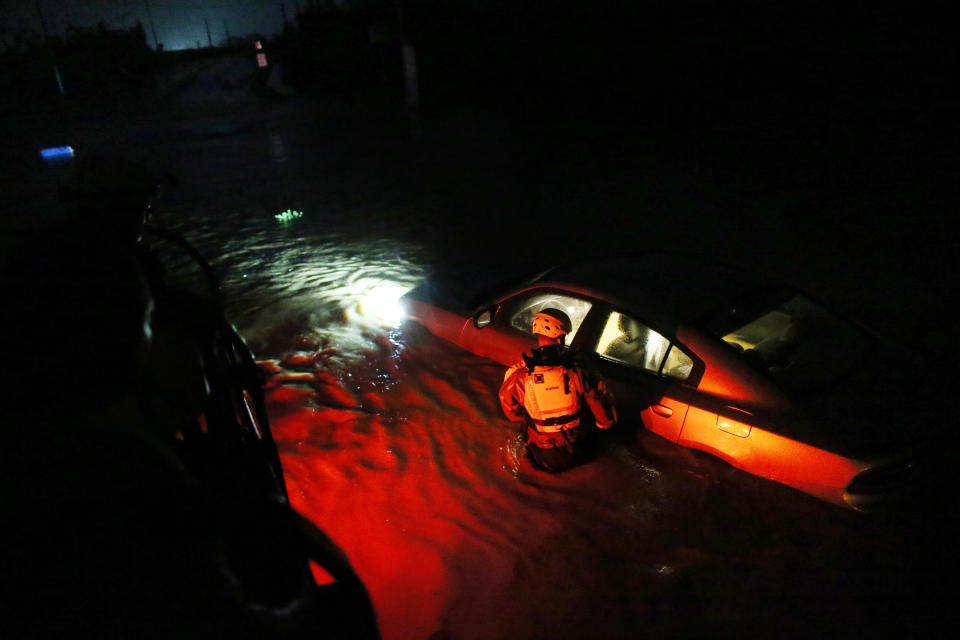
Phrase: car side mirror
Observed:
(483, 318)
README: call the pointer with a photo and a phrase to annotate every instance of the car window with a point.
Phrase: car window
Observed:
(627, 340)
(792, 339)
(520, 311)
(678, 364)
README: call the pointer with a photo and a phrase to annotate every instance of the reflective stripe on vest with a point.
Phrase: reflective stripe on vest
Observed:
(550, 394)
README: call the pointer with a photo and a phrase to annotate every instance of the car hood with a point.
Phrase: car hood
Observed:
(442, 294)
(888, 402)
(451, 294)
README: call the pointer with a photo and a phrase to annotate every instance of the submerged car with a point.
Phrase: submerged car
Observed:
(752, 371)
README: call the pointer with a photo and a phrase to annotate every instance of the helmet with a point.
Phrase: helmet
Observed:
(552, 323)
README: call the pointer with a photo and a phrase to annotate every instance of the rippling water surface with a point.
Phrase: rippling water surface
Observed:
(393, 442)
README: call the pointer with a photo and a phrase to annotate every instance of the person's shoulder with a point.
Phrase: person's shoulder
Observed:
(519, 366)
(515, 367)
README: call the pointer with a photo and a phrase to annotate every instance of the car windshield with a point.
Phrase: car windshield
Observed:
(792, 339)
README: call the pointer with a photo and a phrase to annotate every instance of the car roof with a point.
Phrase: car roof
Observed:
(668, 290)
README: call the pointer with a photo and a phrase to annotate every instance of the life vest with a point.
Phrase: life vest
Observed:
(552, 397)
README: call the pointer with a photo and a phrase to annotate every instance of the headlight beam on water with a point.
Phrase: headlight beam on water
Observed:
(382, 303)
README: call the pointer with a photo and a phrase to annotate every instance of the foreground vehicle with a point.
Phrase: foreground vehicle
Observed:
(752, 371)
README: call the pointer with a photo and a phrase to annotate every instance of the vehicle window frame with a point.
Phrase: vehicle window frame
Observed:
(601, 313)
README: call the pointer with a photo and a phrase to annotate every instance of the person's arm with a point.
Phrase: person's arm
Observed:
(511, 394)
(599, 399)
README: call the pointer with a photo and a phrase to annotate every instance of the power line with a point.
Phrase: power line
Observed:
(46, 42)
(199, 5)
(156, 43)
(205, 6)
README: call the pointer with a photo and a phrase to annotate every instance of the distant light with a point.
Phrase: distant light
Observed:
(382, 303)
(56, 152)
(288, 215)
(261, 59)
(257, 45)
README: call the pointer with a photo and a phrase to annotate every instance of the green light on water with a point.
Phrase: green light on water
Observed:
(288, 215)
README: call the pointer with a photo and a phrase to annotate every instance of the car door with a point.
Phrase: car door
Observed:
(651, 376)
(507, 328)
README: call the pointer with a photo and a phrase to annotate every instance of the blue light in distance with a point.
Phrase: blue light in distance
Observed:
(56, 152)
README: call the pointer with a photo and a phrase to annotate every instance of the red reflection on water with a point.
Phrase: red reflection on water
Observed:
(403, 458)
(365, 460)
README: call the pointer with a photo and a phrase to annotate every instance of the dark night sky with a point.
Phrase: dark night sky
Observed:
(179, 23)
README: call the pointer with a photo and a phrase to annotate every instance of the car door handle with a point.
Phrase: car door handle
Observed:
(661, 410)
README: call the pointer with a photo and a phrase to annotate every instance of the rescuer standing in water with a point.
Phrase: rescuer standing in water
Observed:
(555, 396)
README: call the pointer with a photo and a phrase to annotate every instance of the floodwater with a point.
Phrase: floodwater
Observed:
(392, 441)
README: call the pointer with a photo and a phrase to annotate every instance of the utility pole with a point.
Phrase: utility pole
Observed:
(156, 43)
(206, 23)
(226, 30)
(283, 13)
(46, 40)
(410, 81)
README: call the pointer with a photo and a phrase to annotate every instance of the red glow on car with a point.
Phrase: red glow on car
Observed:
(320, 575)
(745, 443)
(731, 418)
(729, 377)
